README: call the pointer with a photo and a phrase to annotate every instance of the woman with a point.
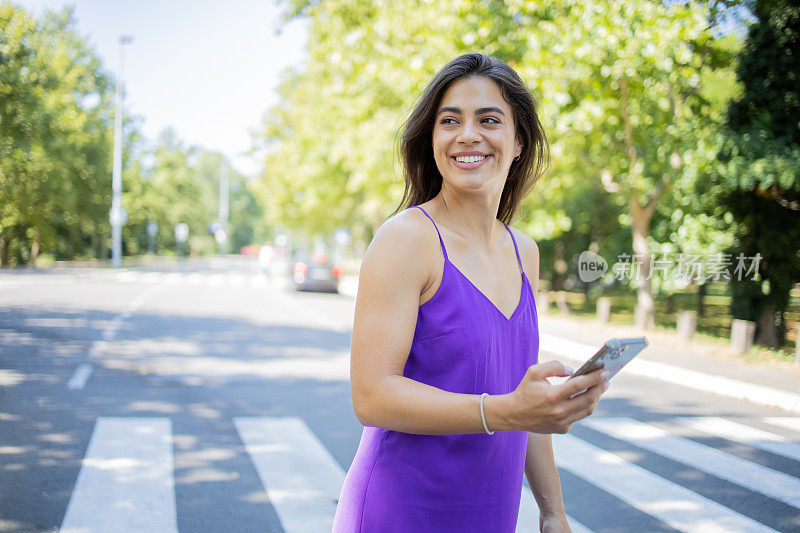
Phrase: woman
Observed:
(444, 372)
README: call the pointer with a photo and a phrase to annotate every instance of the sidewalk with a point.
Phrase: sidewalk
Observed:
(705, 366)
(702, 366)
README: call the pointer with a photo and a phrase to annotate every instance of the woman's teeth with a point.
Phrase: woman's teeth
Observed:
(470, 158)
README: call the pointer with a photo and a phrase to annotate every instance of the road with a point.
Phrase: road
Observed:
(205, 396)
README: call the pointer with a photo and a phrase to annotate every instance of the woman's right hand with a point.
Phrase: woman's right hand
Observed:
(537, 406)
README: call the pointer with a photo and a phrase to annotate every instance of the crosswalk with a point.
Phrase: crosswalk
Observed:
(694, 474)
(194, 279)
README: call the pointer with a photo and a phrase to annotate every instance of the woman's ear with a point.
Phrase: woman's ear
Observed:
(518, 147)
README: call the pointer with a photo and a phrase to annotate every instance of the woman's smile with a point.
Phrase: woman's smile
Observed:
(469, 160)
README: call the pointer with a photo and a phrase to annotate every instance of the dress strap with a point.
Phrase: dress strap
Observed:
(437, 230)
(515, 248)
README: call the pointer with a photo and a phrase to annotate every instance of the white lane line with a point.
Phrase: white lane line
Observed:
(126, 481)
(215, 280)
(732, 388)
(99, 347)
(755, 477)
(237, 280)
(673, 504)
(528, 521)
(736, 432)
(301, 478)
(78, 379)
(787, 422)
(258, 281)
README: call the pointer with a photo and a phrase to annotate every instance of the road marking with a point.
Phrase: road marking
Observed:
(126, 481)
(237, 280)
(755, 477)
(674, 505)
(732, 388)
(736, 432)
(301, 477)
(215, 280)
(78, 379)
(99, 347)
(528, 520)
(792, 423)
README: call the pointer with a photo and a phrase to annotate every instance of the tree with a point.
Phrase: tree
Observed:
(54, 137)
(758, 170)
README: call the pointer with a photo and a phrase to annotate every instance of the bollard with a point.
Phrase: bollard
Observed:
(742, 332)
(561, 302)
(687, 324)
(603, 309)
(543, 303)
(641, 318)
(797, 346)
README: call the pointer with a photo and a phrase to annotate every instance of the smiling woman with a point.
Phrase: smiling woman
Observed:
(443, 365)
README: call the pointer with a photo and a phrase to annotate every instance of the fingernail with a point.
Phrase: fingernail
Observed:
(569, 370)
(605, 373)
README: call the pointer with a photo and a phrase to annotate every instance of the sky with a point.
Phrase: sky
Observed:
(206, 68)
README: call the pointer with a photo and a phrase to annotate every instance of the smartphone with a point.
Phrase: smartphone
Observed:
(612, 356)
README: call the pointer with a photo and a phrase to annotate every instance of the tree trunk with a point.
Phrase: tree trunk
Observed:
(34, 248)
(670, 304)
(702, 290)
(640, 229)
(767, 331)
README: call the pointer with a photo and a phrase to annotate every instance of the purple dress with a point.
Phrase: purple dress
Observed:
(400, 482)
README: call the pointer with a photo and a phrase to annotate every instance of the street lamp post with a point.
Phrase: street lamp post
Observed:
(117, 216)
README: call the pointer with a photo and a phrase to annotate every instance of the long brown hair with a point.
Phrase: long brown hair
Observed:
(423, 180)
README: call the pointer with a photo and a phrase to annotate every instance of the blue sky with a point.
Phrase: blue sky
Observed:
(207, 68)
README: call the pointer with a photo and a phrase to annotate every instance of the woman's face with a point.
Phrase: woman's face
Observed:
(474, 142)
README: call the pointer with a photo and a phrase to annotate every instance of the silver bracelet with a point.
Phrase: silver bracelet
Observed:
(483, 416)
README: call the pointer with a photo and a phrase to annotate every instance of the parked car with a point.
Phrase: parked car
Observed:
(315, 272)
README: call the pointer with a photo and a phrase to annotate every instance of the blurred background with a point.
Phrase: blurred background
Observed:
(674, 129)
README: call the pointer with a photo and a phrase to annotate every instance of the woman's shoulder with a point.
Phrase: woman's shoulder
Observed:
(409, 228)
(406, 240)
(528, 251)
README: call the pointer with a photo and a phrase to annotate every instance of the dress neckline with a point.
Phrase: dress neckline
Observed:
(519, 302)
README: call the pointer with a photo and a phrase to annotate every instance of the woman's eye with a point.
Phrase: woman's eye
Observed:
(448, 120)
(491, 120)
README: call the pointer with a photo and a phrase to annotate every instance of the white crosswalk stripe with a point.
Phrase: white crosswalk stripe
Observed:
(193, 279)
(301, 478)
(792, 423)
(755, 477)
(674, 505)
(126, 480)
(734, 431)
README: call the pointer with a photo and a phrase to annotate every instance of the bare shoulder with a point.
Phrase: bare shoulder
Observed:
(402, 249)
(529, 253)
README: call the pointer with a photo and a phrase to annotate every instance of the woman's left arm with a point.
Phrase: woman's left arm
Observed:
(540, 465)
(542, 475)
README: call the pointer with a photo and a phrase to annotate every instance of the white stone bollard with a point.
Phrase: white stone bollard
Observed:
(742, 332)
(687, 324)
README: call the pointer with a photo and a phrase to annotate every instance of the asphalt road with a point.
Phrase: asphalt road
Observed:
(206, 396)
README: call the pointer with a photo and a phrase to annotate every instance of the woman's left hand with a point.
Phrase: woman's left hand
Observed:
(554, 524)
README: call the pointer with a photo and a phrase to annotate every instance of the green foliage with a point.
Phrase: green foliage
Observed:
(56, 137)
(330, 139)
(55, 108)
(758, 166)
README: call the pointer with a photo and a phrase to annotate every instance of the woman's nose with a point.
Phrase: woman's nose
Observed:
(469, 133)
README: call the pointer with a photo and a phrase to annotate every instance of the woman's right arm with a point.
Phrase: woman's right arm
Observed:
(393, 275)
